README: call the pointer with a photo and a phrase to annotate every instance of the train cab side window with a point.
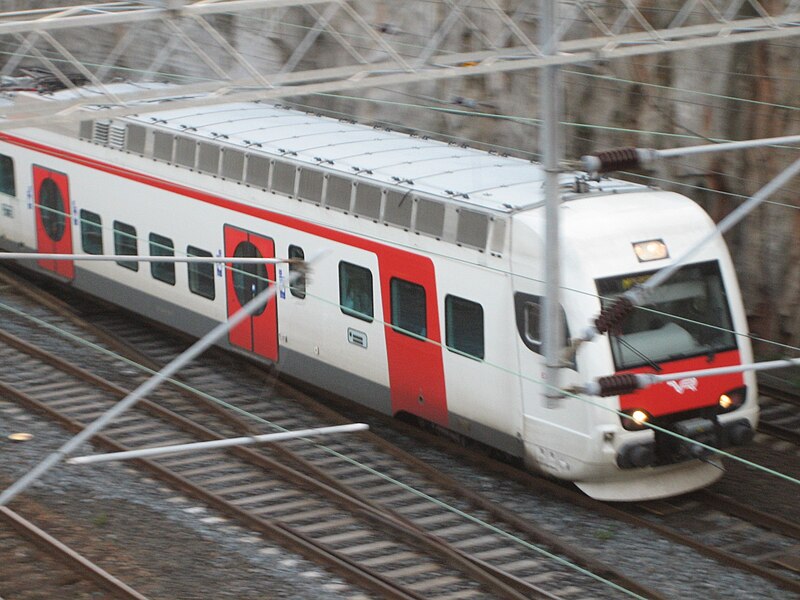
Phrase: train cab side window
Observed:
(162, 246)
(201, 275)
(464, 327)
(91, 232)
(7, 182)
(528, 309)
(125, 244)
(298, 287)
(408, 308)
(355, 291)
(531, 315)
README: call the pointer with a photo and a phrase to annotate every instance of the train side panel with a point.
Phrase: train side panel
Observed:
(322, 340)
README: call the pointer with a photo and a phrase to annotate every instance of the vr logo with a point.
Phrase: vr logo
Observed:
(683, 385)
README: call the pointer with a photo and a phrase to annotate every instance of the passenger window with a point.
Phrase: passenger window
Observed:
(355, 291)
(91, 232)
(162, 246)
(7, 182)
(298, 287)
(464, 326)
(125, 244)
(408, 308)
(201, 274)
(528, 310)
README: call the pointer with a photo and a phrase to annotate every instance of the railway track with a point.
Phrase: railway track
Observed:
(365, 509)
(780, 410)
(732, 533)
(36, 565)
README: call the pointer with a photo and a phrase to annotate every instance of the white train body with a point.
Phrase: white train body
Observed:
(447, 241)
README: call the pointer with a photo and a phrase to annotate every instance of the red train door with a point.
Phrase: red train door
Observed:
(53, 214)
(243, 282)
(416, 369)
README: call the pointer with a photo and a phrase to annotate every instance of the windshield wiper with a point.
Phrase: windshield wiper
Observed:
(641, 355)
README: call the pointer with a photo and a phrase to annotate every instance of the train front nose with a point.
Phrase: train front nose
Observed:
(685, 440)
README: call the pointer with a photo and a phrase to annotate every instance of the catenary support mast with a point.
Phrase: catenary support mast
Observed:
(549, 96)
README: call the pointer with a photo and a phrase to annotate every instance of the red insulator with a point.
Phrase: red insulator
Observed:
(611, 316)
(614, 385)
(618, 159)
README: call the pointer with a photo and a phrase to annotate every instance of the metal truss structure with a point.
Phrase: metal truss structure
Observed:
(376, 44)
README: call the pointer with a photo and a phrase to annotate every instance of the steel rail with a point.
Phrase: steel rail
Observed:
(430, 543)
(491, 576)
(115, 343)
(562, 492)
(781, 393)
(292, 540)
(750, 514)
(68, 556)
(497, 511)
(786, 396)
(538, 534)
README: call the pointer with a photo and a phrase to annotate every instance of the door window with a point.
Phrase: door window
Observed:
(249, 279)
(52, 209)
(408, 308)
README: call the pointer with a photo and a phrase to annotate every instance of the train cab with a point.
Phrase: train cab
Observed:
(694, 320)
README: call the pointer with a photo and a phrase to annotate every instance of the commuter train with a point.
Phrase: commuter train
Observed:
(428, 295)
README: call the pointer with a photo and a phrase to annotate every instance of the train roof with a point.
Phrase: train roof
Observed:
(460, 194)
(469, 176)
(466, 175)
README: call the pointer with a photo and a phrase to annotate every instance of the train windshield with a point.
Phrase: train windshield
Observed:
(687, 316)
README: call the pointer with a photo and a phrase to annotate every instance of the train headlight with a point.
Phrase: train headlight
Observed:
(650, 250)
(732, 399)
(635, 419)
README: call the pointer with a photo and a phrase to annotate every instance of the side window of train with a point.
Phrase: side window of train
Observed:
(528, 309)
(464, 327)
(201, 274)
(298, 288)
(355, 291)
(125, 244)
(408, 308)
(91, 232)
(162, 246)
(7, 182)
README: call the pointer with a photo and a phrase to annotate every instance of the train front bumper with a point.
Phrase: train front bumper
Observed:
(692, 439)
